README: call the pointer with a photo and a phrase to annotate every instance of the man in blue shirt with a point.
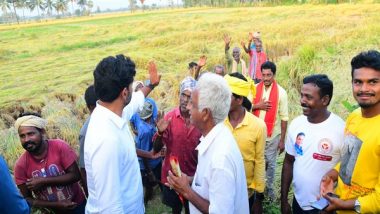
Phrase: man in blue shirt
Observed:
(11, 200)
(145, 126)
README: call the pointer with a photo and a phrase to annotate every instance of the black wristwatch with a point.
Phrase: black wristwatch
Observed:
(151, 86)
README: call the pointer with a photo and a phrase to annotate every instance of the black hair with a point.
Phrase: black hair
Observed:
(368, 59)
(112, 75)
(90, 96)
(28, 113)
(301, 134)
(269, 65)
(192, 64)
(323, 82)
(246, 103)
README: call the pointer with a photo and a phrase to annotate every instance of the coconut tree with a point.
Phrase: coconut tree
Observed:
(72, 6)
(132, 5)
(82, 4)
(13, 3)
(89, 5)
(49, 5)
(39, 4)
(61, 6)
(21, 4)
(5, 6)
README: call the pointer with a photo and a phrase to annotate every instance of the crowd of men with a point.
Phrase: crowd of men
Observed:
(226, 133)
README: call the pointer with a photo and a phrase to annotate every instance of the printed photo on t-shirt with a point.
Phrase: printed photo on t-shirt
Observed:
(298, 144)
(351, 150)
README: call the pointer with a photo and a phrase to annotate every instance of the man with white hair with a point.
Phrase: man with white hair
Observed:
(47, 173)
(234, 63)
(219, 184)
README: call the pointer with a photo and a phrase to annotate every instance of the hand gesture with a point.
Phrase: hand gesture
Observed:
(155, 155)
(281, 147)
(179, 184)
(250, 36)
(35, 184)
(285, 208)
(264, 105)
(162, 124)
(66, 204)
(334, 203)
(154, 77)
(327, 185)
(242, 44)
(202, 61)
(227, 40)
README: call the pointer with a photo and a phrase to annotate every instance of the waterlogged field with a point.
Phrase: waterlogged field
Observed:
(46, 67)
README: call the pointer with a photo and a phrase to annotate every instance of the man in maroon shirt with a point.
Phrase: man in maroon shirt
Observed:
(47, 173)
(180, 138)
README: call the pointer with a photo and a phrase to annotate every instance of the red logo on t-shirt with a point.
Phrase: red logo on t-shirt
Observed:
(322, 157)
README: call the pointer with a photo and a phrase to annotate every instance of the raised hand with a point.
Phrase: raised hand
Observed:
(250, 36)
(154, 77)
(162, 124)
(227, 40)
(202, 61)
(242, 44)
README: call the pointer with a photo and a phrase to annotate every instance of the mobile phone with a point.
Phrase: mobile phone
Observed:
(332, 195)
(321, 204)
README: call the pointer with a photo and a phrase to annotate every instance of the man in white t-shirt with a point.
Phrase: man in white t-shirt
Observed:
(219, 184)
(313, 145)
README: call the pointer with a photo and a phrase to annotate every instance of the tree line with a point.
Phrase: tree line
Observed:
(44, 8)
(60, 8)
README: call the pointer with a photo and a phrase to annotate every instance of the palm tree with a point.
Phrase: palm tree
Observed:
(89, 5)
(39, 4)
(72, 6)
(21, 4)
(4, 5)
(13, 3)
(61, 6)
(82, 4)
(49, 5)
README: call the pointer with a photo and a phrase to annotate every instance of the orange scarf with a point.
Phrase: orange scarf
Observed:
(270, 116)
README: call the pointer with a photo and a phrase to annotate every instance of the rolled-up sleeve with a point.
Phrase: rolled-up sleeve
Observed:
(136, 104)
(283, 106)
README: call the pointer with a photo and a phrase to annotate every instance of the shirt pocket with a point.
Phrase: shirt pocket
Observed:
(201, 188)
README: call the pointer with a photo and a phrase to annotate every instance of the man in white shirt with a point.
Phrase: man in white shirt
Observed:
(219, 184)
(113, 173)
(314, 145)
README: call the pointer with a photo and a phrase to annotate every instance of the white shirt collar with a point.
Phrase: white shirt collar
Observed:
(209, 138)
(118, 121)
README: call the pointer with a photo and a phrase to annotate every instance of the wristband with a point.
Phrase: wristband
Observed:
(151, 86)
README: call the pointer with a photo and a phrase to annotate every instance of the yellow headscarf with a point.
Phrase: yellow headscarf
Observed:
(241, 87)
(30, 120)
